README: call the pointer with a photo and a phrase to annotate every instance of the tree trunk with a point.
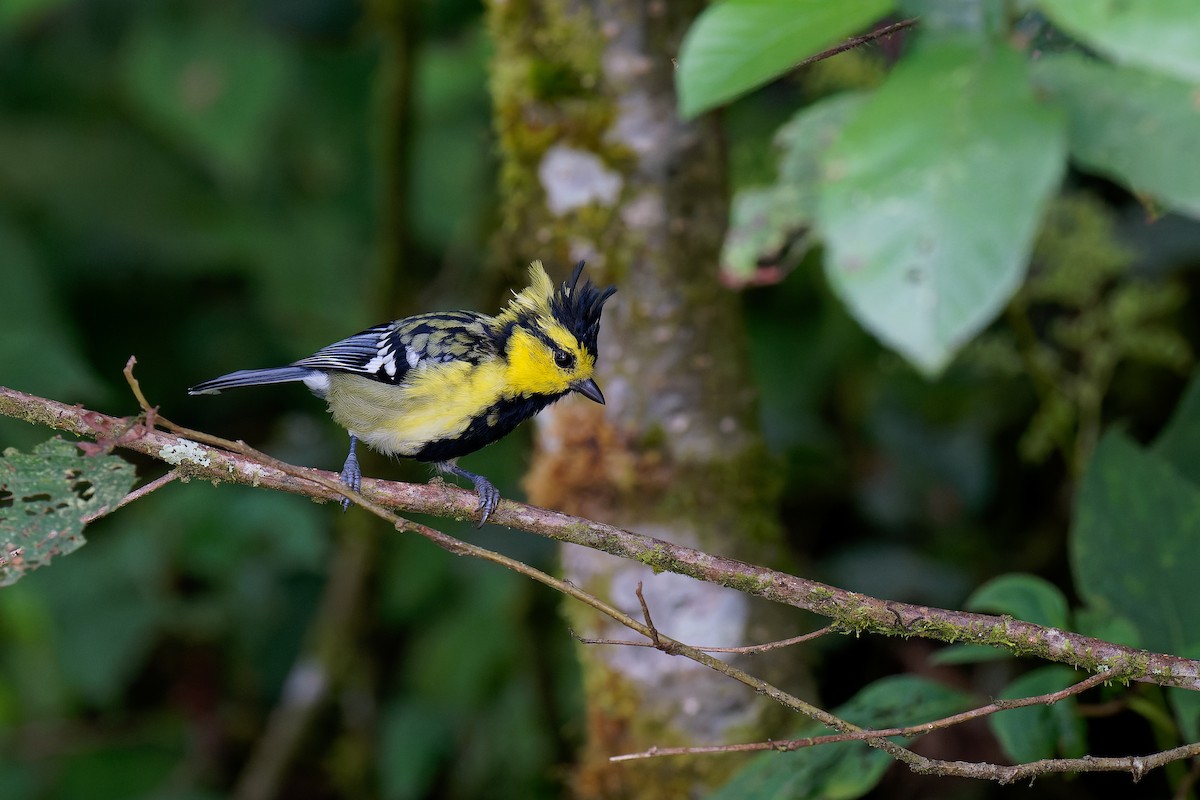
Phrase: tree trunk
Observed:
(597, 166)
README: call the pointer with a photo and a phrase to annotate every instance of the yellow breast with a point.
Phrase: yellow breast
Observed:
(434, 402)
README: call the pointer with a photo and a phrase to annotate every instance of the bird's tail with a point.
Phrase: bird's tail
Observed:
(251, 377)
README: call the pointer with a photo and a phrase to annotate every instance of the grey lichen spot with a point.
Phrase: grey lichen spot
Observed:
(644, 212)
(642, 124)
(576, 178)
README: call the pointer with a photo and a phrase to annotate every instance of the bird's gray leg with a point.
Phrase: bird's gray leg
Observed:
(351, 474)
(489, 496)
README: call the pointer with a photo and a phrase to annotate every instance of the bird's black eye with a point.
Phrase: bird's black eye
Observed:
(564, 360)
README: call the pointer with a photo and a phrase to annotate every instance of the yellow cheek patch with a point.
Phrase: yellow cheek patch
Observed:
(531, 367)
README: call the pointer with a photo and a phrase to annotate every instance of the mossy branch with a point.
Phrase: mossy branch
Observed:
(197, 455)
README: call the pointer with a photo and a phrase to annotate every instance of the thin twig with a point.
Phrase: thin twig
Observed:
(859, 41)
(748, 649)
(136, 494)
(654, 637)
(784, 745)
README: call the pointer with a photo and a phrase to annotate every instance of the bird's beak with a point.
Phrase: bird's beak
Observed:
(590, 390)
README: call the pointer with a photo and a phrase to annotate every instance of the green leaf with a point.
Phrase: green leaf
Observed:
(803, 140)
(1036, 732)
(931, 197)
(969, 654)
(15, 13)
(1136, 127)
(18, 779)
(736, 45)
(35, 320)
(108, 604)
(1161, 35)
(1107, 626)
(1133, 544)
(117, 770)
(849, 769)
(1024, 597)
(1185, 705)
(44, 498)
(1021, 596)
(415, 739)
(1179, 443)
(978, 19)
(217, 87)
(768, 222)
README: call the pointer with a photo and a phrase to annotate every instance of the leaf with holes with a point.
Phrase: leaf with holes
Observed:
(45, 498)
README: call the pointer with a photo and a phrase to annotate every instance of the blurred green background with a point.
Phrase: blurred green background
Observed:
(212, 185)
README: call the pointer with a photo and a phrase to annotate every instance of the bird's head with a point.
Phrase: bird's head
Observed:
(550, 335)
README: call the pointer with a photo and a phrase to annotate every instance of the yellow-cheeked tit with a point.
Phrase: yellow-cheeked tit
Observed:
(436, 386)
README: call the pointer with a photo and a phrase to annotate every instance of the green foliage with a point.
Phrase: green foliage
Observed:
(849, 769)
(15, 13)
(1132, 544)
(217, 86)
(1040, 731)
(1093, 323)
(416, 736)
(737, 45)
(118, 771)
(33, 322)
(920, 255)
(1179, 443)
(1024, 597)
(1134, 564)
(1129, 125)
(932, 190)
(773, 224)
(1160, 36)
(200, 181)
(45, 498)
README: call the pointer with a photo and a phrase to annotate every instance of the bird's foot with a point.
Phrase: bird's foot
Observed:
(489, 495)
(351, 476)
(489, 498)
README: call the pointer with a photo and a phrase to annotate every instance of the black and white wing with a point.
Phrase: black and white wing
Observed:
(387, 352)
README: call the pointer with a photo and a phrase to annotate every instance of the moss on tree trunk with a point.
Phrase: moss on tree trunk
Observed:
(597, 166)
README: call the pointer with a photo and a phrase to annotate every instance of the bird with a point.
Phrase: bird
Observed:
(437, 386)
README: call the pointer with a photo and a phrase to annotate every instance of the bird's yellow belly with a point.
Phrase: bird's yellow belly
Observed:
(434, 402)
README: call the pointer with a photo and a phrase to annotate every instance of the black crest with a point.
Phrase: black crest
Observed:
(578, 308)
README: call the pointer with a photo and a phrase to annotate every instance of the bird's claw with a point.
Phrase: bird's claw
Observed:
(489, 495)
(351, 476)
(489, 498)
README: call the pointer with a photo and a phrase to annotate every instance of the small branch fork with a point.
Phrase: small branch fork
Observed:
(1136, 766)
(786, 745)
(236, 462)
